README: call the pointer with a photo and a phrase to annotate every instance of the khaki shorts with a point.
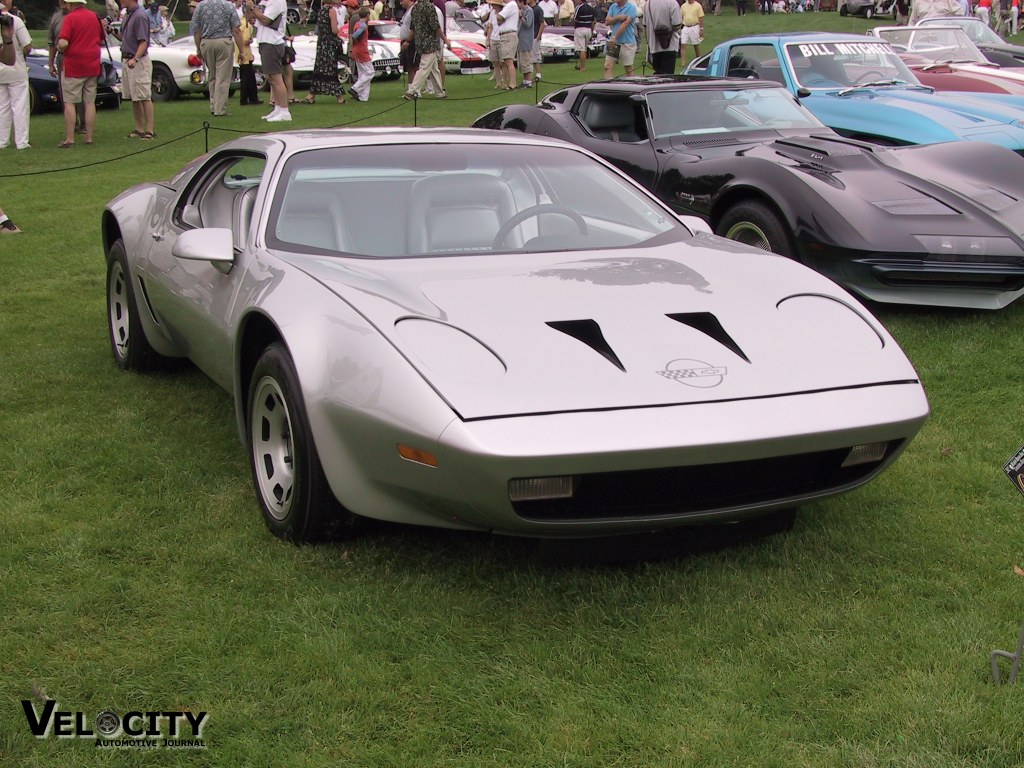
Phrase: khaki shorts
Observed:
(582, 37)
(78, 90)
(507, 45)
(526, 62)
(626, 57)
(137, 81)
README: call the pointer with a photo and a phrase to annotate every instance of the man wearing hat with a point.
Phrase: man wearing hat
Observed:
(81, 36)
(14, 101)
(505, 15)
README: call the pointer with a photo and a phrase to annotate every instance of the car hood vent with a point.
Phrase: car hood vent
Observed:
(725, 141)
(589, 332)
(708, 324)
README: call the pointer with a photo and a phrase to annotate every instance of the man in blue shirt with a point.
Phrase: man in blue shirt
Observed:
(622, 19)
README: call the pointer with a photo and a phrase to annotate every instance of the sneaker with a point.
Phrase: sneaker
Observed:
(442, 95)
(526, 84)
(538, 76)
(272, 113)
(410, 96)
(284, 116)
(9, 228)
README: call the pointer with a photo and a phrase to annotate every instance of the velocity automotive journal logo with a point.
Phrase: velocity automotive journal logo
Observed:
(135, 729)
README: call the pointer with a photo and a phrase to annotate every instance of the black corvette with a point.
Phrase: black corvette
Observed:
(939, 224)
(44, 89)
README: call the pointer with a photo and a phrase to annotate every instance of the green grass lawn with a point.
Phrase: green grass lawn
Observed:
(135, 572)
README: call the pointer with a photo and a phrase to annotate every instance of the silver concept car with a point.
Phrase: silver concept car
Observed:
(498, 332)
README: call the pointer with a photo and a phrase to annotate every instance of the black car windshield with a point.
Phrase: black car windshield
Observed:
(393, 201)
(681, 113)
(832, 65)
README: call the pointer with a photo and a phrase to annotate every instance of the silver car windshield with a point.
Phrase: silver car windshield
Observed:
(452, 199)
(832, 65)
(934, 43)
(682, 113)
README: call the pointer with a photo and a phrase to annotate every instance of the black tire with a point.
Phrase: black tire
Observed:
(754, 223)
(345, 68)
(869, 12)
(164, 88)
(128, 342)
(293, 16)
(33, 100)
(843, 10)
(294, 497)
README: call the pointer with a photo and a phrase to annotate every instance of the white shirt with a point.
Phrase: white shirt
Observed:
(18, 71)
(510, 14)
(549, 8)
(274, 9)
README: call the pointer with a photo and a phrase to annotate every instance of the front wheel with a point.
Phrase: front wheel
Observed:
(869, 12)
(293, 493)
(843, 10)
(163, 87)
(754, 223)
(128, 342)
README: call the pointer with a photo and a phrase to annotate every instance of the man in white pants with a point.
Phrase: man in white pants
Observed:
(14, 100)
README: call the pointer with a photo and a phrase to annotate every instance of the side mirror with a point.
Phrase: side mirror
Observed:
(695, 224)
(802, 92)
(215, 245)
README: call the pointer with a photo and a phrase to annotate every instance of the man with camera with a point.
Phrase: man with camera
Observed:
(14, 99)
(81, 35)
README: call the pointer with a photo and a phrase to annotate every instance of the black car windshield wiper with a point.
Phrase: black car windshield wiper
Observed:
(873, 84)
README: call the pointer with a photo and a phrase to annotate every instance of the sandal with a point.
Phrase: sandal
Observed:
(136, 134)
(293, 101)
(146, 136)
(307, 100)
(66, 145)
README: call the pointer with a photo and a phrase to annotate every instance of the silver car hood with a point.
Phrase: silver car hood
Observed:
(517, 334)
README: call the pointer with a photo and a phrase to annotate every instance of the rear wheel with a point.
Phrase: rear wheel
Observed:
(869, 12)
(163, 88)
(293, 15)
(843, 10)
(754, 223)
(291, 487)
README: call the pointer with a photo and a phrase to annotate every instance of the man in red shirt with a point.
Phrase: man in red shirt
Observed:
(81, 36)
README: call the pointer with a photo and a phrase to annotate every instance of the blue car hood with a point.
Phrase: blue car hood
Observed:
(918, 116)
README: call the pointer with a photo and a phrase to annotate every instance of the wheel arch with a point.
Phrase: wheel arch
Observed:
(257, 332)
(774, 200)
(110, 230)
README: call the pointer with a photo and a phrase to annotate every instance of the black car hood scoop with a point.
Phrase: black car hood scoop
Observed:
(822, 152)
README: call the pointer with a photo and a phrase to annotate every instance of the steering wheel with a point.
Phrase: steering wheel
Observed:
(871, 76)
(536, 210)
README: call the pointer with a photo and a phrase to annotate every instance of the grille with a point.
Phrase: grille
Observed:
(687, 490)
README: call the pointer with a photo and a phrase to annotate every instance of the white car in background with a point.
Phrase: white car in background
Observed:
(176, 68)
(552, 47)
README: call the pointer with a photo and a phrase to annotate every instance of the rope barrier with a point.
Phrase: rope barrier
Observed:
(207, 127)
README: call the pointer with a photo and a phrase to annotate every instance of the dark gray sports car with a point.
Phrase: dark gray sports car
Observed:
(939, 224)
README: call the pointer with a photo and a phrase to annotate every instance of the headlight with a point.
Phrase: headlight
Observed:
(958, 246)
(449, 352)
(914, 206)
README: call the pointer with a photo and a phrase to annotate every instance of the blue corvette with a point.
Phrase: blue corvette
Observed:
(859, 87)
